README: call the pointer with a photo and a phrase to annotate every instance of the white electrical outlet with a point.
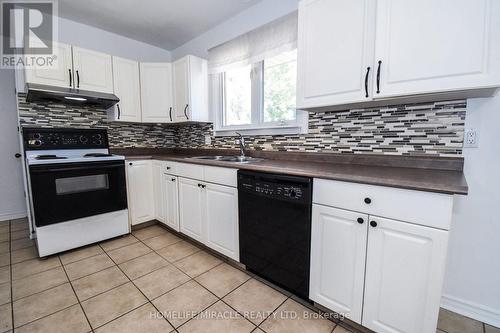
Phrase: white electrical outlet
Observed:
(208, 140)
(471, 138)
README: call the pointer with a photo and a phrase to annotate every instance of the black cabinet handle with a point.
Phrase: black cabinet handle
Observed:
(119, 111)
(77, 79)
(368, 201)
(70, 78)
(360, 220)
(366, 81)
(378, 76)
(17, 155)
(373, 224)
(185, 111)
(199, 185)
(173, 179)
(170, 113)
(130, 163)
(203, 186)
(168, 168)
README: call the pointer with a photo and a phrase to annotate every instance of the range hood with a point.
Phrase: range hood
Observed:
(43, 93)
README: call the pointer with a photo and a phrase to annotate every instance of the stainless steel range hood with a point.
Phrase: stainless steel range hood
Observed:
(43, 93)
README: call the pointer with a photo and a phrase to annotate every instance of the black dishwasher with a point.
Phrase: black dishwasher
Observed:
(275, 228)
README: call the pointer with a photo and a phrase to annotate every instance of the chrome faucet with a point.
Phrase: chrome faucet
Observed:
(241, 142)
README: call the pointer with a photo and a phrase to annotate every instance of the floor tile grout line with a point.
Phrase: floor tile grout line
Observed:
(76, 295)
(147, 299)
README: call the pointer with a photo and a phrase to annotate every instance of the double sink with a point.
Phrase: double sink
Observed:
(231, 159)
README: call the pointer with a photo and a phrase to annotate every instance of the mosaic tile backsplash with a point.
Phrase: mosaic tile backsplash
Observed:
(416, 129)
(121, 135)
(413, 129)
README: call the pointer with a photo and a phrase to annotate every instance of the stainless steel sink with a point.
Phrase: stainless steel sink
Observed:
(232, 159)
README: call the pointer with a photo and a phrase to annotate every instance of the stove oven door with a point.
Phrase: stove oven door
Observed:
(64, 192)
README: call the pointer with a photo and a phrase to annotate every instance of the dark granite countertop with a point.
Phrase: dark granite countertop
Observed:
(440, 175)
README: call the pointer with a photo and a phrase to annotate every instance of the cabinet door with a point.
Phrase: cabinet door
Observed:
(140, 191)
(171, 202)
(404, 276)
(190, 208)
(181, 89)
(159, 191)
(338, 253)
(335, 50)
(93, 70)
(127, 88)
(222, 220)
(61, 75)
(156, 92)
(449, 47)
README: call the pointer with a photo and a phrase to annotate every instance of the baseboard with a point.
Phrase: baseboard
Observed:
(12, 216)
(472, 310)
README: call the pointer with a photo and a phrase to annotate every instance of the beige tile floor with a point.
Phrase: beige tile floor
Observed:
(150, 281)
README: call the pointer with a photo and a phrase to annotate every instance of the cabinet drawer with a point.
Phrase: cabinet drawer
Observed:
(190, 170)
(424, 208)
(170, 167)
(224, 176)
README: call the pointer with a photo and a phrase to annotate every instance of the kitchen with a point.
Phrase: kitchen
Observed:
(298, 166)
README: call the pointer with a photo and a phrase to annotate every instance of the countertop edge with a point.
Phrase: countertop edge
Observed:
(426, 187)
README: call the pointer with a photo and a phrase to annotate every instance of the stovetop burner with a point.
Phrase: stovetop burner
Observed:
(97, 155)
(50, 157)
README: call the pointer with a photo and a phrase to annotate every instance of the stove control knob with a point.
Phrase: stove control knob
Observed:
(37, 143)
(83, 139)
(98, 142)
(37, 136)
(293, 194)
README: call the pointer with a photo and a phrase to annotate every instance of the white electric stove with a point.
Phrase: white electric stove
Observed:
(77, 189)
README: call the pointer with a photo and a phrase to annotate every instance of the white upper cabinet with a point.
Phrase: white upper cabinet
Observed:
(190, 78)
(127, 88)
(429, 46)
(61, 75)
(414, 49)
(156, 92)
(93, 70)
(335, 52)
(338, 254)
(404, 276)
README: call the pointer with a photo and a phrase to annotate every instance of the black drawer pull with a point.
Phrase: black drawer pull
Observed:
(368, 201)
(373, 224)
(378, 76)
(360, 220)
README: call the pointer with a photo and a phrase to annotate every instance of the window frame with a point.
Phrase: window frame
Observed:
(257, 126)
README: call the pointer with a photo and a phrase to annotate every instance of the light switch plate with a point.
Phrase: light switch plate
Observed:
(208, 140)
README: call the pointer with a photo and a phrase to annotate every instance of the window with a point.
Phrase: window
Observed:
(261, 95)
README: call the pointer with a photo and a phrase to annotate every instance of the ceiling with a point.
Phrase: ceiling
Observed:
(164, 23)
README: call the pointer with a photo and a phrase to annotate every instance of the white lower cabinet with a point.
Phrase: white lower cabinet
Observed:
(159, 190)
(171, 201)
(191, 206)
(221, 219)
(404, 276)
(140, 191)
(384, 274)
(338, 255)
(208, 211)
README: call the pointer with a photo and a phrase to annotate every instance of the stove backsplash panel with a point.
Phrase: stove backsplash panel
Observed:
(414, 129)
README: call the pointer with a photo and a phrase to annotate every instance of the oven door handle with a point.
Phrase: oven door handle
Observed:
(109, 166)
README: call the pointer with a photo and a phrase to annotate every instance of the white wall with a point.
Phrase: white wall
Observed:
(85, 36)
(249, 19)
(472, 283)
(12, 201)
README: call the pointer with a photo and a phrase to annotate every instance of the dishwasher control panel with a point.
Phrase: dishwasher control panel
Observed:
(274, 188)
